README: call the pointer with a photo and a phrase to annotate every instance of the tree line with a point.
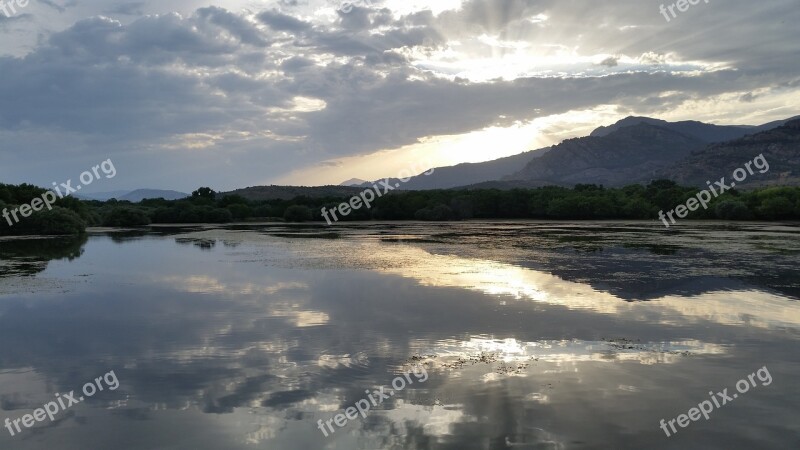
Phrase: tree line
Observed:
(582, 202)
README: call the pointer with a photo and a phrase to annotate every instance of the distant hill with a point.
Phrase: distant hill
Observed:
(611, 165)
(354, 182)
(780, 146)
(509, 184)
(633, 150)
(621, 157)
(259, 193)
(133, 196)
(465, 174)
(701, 131)
(142, 194)
(100, 196)
(470, 173)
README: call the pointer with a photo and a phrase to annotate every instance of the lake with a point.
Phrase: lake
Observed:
(505, 335)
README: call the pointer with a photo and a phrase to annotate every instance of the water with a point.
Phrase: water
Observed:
(532, 335)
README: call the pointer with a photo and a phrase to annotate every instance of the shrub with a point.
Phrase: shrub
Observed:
(297, 213)
(437, 213)
(732, 210)
(59, 221)
(240, 211)
(776, 208)
(220, 215)
(126, 217)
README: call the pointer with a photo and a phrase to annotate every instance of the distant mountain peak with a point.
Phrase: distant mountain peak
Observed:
(142, 194)
(626, 122)
(353, 182)
(706, 132)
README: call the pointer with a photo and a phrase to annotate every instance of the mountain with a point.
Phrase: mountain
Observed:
(505, 172)
(624, 156)
(633, 150)
(354, 182)
(780, 147)
(100, 196)
(472, 173)
(259, 193)
(506, 185)
(466, 173)
(702, 131)
(771, 125)
(132, 196)
(141, 194)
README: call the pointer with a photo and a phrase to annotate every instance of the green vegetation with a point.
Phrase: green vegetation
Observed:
(69, 216)
(583, 202)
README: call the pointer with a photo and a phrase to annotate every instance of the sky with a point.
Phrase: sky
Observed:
(181, 94)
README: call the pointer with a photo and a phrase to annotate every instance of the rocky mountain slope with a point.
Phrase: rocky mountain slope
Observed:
(780, 147)
(622, 157)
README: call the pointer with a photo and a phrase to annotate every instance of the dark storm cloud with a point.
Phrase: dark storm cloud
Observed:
(148, 83)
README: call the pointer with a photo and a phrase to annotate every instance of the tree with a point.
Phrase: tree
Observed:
(232, 200)
(126, 217)
(732, 210)
(240, 211)
(204, 192)
(220, 215)
(437, 213)
(59, 221)
(297, 213)
(776, 208)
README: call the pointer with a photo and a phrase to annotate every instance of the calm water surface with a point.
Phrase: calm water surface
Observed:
(533, 335)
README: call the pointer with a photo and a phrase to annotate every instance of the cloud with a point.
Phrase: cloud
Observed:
(10, 19)
(128, 9)
(611, 61)
(283, 22)
(56, 6)
(271, 91)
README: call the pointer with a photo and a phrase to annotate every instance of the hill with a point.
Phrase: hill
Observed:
(621, 157)
(780, 147)
(100, 196)
(471, 173)
(142, 194)
(260, 193)
(701, 131)
(133, 196)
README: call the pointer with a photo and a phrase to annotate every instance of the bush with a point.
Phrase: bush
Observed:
(220, 215)
(126, 217)
(297, 213)
(732, 210)
(437, 213)
(166, 215)
(240, 211)
(194, 214)
(58, 221)
(776, 208)
(264, 211)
